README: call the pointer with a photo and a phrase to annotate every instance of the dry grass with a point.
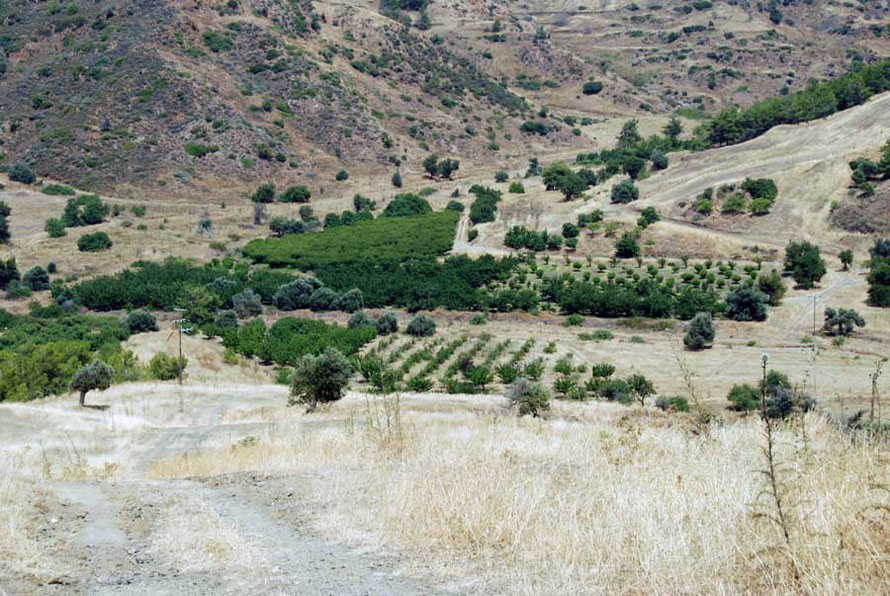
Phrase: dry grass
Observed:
(616, 501)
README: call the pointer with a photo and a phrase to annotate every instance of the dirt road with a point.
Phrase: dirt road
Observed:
(130, 533)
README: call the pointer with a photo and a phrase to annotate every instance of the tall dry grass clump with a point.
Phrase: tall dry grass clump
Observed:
(613, 501)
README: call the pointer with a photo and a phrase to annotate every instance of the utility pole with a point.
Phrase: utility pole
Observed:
(874, 388)
(814, 314)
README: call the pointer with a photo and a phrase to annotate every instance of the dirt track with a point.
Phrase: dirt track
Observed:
(129, 534)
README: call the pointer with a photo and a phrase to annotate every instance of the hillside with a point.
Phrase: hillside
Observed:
(172, 99)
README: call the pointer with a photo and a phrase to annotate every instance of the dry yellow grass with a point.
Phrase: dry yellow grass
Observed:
(598, 499)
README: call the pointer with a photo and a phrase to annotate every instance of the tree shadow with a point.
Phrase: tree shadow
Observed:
(100, 407)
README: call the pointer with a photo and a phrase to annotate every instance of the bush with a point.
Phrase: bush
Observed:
(323, 299)
(625, 192)
(140, 321)
(406, 205)
(771, 284)
(842, 321)
(21, 172)
(265, 193)
(281, 227)
(200, 149)
(744, 398)
(676, 404)
(387, 323)
(342, 176)
(592, 87)
(701, 332)
(648, 216)
(95, 242)
(58, 189)
(627, 246)
(36, 278)
(55, 227)
(659, 160)
(226, 319)
(484, 208)
(296, 294)
(397, 180)
(747, 304)
(455, 206)
(247, 304)
(321, 378)
(351, 301)
(360, 319)
(528, 397)
(517, 188)
(421, 326)
(85, 210)
(163, 367)
(295, 194)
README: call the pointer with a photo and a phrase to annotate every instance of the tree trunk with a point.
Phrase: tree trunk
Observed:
(83, 396)
(312, 405)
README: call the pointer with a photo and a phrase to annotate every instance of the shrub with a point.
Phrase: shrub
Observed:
(247, 304)
(280, 226)
(771, 284)
(85, 210)
(676, 404)
(387, 323)
(294, 194)
(94, 376)
(58, 189)
(627, 246)
(360, 319)
(528, 397)
(21, 172)
(501, 176)
(226, 319)
(421, 326)
(217, 41)
(408, 204)
(517, 188)
(747, 304)
(454, 206)
(95, 242)
(321, 378)
(265, 193)
(397, 180)
(323, 299)
(659, 160)
(625, 192)
(140, 321)
(701, 332)
(735, 203)
(36, 278)
(484, 208)
(351, 301)
(55, 227)
(341, 176)
(648, 216)
(744, 397)
(200, 149)
(164, 367)
(296, 294)
(592, 87)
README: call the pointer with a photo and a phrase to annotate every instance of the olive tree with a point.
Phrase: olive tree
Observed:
(94, 376)
(701, 332)
(321, 378)
(528, 397)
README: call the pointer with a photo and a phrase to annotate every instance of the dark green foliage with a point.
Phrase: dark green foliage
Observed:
(484, 207)
(9, 272)
(55, 227)
(360, 319)
(627, 246)
(408, 204)
(280, 226)
(570, 230)
(701, 332)
(675, 404)
(846, 258)
(625, 192)
(36, 278)
(629, 135)
(350, 301)
(41, 352)
(294, 194)
(387, 324)
(455, 206)
(217, 41)
(140, 321)
(397, 180)
(879, 276)
(247, 304)
(200, 149)
(94, 376)
(659, 160)
(421, 326)
(363, 204)
(265, 193)
(5, 234)
(633, 166)
(437, 168)
(226, 319)
(321, 378)
(592, 87)
(296, 294)
(771, 284)
(501, 176)
(802, 259)
(58, 189)
(744, 397)
(323, 299)
(342, 176)
(535, 127)
(163, 367)
(95, 242)
(85, 210)
(21, 172)
(842, 321)
(648, 216)
(420, 236)
(820, 99)
(747, 304)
